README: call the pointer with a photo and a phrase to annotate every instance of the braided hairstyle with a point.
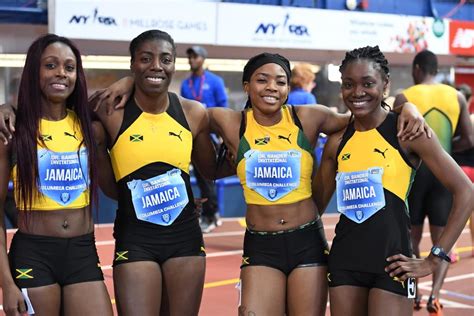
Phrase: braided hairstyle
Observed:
(371, 54)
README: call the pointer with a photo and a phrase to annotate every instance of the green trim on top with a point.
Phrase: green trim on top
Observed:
(244, 146)
(303, 142)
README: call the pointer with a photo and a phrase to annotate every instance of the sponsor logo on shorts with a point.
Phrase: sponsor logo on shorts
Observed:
(328, 276)
(245, 260)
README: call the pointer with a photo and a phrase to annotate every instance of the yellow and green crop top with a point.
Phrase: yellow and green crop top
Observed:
(439, 104)
(150, 159)
(274, 163)
(368, 164)
(62, 166)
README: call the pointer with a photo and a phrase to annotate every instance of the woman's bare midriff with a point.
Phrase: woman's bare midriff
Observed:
(280, 217)
(58, 223)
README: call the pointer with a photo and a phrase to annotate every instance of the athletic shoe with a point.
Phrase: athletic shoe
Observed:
(434, 307)
(208, 224)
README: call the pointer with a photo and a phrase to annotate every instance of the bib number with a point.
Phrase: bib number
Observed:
(159, 200)
(63, 175)
(360, 194)
(273, 174)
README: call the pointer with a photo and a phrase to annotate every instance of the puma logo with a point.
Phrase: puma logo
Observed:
(176, 135)
(376, 150)
(286, 138)
(71, 135)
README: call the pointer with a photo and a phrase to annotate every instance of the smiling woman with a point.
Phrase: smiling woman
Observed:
(158, 238)
(53, 264)
(371, 171)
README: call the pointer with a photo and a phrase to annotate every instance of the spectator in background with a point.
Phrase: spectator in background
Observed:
(465, 158)
(301, 84)
(209, 89)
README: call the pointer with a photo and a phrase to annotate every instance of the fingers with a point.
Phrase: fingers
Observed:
(123, 100)
(5, 134)
(11, 122)
(94, 99)
(22, 308)
(427, 129)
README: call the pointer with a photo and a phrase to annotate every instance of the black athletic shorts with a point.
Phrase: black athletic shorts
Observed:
(142, 241)
(286, 250)
(369, 280)
(428, 197)
(43, 260)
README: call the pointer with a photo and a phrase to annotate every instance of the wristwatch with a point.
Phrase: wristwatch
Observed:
(439, 252)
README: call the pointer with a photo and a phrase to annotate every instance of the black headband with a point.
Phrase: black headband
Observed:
(262, 59)
(265, 58)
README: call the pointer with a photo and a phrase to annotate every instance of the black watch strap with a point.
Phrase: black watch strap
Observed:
(440, 253)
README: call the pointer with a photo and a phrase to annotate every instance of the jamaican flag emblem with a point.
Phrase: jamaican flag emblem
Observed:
(262, 141)
(346, 156)
(136, 138)
(24, 274)
(46, 138)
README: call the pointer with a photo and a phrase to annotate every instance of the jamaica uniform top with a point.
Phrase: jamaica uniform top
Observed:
(62, 166)
(372, 184)
(274, 163)
(151, 158)
(439, 104)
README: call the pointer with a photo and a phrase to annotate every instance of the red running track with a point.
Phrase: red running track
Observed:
(224, 249)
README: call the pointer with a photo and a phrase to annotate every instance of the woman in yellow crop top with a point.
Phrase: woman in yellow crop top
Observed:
(52, 266)
(284, 261)
(370, 264)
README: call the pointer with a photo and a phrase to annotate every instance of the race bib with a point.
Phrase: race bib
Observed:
(273, 174)
(360, 194)
(159, 200)
(63, 175)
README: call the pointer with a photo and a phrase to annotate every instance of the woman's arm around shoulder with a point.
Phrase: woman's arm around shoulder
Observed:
(204, 152)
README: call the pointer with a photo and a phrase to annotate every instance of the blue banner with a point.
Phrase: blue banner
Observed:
(63, 175)
(273, 174)
(159, 200)
(360, 194)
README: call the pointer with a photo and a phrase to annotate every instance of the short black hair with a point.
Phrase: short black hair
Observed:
(371, 53)
(150, 35)
(427, 62)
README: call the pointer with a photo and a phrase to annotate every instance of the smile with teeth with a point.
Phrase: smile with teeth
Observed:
(154, 79)
(359, 103)
(270, 99)
(59, 86)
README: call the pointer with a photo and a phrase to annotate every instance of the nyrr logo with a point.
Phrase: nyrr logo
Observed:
(272, 28)
(96, 18)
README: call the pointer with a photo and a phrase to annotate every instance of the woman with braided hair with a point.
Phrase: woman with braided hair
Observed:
(371, 170)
